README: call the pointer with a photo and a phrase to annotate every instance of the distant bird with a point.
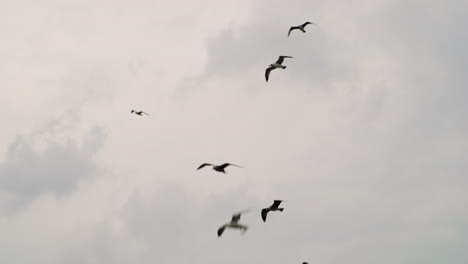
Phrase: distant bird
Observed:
(140, 113)
(219, 168)
(277, 64)
(305, 263)
(300, 27)
(233, 224)
(273, 207)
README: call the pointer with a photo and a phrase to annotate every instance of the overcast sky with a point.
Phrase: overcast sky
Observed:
(365, 134)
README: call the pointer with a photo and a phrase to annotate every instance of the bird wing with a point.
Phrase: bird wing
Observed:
(236, 218)
(221, 230)
(291, 29)
(203, 165)
(281, 59)
(267, 72)
(276, 203)
(307, 23)
(223, 166)
(145, 113)
(264, 214)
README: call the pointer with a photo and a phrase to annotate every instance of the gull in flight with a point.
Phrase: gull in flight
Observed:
(273, 207)
(140, 113)
(234, 224)
(300, 27)
(218, 168)
(277, 64)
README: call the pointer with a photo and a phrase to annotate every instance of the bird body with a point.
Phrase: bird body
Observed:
(276, 65)
(300, 27)
(218, 168)
(140, 113)
(273, 207)
(234, 224)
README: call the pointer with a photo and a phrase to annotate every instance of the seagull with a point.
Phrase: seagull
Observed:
(233, 224)
(300, 27)
(219, 168)
(277, 64)
(273, 207)
(140, 113)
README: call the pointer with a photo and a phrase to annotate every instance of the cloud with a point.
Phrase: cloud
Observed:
(34, 166)
(363, 134)
(363, 130)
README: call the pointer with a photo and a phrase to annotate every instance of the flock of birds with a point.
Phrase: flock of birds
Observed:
(279, 62)
(234, 223)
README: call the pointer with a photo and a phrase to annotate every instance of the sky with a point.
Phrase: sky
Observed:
(364, 134)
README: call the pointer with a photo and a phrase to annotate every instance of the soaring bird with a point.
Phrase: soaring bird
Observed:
(140, 113)
(277, 64)
(219, 168)
(273, 207)
(300, 27)
(233, 224)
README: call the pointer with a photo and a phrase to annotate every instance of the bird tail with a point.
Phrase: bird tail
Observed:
(281, 209)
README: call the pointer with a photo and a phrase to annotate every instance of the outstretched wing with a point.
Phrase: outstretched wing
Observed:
(264, 214)
(223, 166)
(307, 23)
(281, 59)
(145, 113)
(291, 29)
(235, 218)
(276, 203)
(267, 72)
(221, 230)
(203, 165)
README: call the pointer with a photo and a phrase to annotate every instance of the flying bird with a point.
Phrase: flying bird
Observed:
(218, 168)
(233, 224)
(300, 27)
(140, 113)
(277, 64)
(273, 207)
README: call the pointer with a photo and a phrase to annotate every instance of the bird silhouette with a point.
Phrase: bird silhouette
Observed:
(218, 168)
(300, 27)
(234, 224)
(273, 207)
(277, 64)
(140, 113)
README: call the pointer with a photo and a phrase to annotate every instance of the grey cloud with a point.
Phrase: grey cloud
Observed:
(171, 224)
(34, 166)
(364, 134)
